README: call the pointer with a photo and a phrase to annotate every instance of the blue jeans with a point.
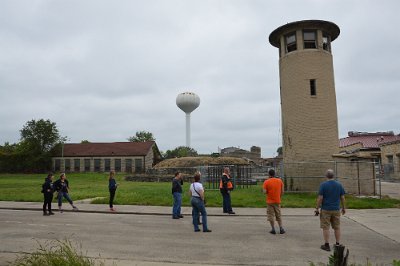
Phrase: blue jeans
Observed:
(198, 207)
(176, 208)
(60, 197)
(226, 201)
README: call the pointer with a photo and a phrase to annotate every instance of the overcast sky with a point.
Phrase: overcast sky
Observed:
(102, 70)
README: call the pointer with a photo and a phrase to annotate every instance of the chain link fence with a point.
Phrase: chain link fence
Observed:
(357, 177)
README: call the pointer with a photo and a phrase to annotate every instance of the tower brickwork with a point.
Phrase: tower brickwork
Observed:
(307, 89)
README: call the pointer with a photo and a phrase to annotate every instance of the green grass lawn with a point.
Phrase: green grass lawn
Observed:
(23, 187)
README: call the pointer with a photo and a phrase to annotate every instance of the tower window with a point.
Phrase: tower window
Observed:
(310, 39)
(313, 87)
(326, 42)
(291, 42)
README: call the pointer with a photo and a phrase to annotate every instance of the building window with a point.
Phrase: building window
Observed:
(310, 39)
(57, 165)
(117, 163)
(107, 165)
(138, 166)
(313, 87)
(398, 162)
(97, 164)
(390, 159)
(87, 165)
(326, 42)
(290, 40)
(77, 165)
(128, 165)
(67, 163)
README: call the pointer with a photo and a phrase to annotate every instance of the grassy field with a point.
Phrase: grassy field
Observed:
(22, 187)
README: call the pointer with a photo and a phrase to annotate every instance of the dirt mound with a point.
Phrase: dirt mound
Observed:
(198, 161)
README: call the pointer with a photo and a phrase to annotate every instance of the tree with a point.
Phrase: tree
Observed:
(41, 136)
(84, 141)
(142, 136)
(181, 151)
(38, 140)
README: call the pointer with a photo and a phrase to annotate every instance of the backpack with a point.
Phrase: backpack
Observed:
(43, 187)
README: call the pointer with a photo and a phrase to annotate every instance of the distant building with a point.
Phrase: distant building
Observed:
(128, 157)
(366, 144)
(390, 156)
(254, 154)
(382, 147)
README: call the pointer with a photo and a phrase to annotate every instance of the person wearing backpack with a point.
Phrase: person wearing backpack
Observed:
(225, 187)
(62, 187)
(48, 190)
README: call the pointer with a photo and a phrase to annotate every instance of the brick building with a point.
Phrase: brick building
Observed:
(129, 157)
(390, 156)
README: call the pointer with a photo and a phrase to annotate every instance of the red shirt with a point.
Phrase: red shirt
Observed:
(273, 186)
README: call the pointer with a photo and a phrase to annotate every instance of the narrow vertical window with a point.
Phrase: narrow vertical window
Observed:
(67, 165)
(313, 87)
(117, 163)
(326, 42)
(97, 165)
(107, 165)
(310, 39)
(57, 165)
(77, 165)
(291, 42)
(87, 165)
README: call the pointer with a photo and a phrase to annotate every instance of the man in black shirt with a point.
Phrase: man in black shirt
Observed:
(177, 183)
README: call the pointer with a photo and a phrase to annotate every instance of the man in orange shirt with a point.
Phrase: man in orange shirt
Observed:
(273, 188)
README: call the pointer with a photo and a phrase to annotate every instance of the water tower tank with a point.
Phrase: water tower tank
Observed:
(187, 102)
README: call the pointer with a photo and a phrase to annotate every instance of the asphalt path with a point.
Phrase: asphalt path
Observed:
(154, 239)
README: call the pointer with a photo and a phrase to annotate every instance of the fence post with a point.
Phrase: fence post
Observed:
(358, 178)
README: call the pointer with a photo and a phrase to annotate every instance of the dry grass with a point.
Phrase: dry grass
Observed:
(199, 161)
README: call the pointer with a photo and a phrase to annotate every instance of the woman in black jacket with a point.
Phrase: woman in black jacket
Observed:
(48, 190)
(62, 187)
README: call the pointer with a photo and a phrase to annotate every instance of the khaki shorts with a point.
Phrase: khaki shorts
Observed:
(274, 211)
(330, 218)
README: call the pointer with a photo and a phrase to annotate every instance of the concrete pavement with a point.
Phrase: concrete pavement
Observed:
(146, 235)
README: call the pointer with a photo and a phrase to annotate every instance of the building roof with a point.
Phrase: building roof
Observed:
(108, 149)
(331, 28)
(368, 140)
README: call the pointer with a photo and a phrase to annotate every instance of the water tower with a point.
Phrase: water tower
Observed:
(187, 102)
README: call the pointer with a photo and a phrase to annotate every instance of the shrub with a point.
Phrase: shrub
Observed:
(55, 253)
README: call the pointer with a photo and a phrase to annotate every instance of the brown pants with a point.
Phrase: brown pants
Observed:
(274, 211)
(329, 218)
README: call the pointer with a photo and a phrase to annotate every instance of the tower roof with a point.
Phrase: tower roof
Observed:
(331, 28)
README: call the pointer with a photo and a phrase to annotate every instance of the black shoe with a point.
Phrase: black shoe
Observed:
(325, 247)
(272, 232)
(231, 212)
(207, 231)
(180, 216)
(51, 213)
(175, 217)
(225, 212)
(282, 231)
(197, 230)
(46, 214)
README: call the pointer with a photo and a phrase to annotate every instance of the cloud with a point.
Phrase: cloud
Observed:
(103, 70)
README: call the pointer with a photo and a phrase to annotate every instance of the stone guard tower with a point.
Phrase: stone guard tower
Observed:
(307, 89)
(308, 99)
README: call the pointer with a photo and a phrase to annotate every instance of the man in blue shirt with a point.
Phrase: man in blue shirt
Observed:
(330, 197)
